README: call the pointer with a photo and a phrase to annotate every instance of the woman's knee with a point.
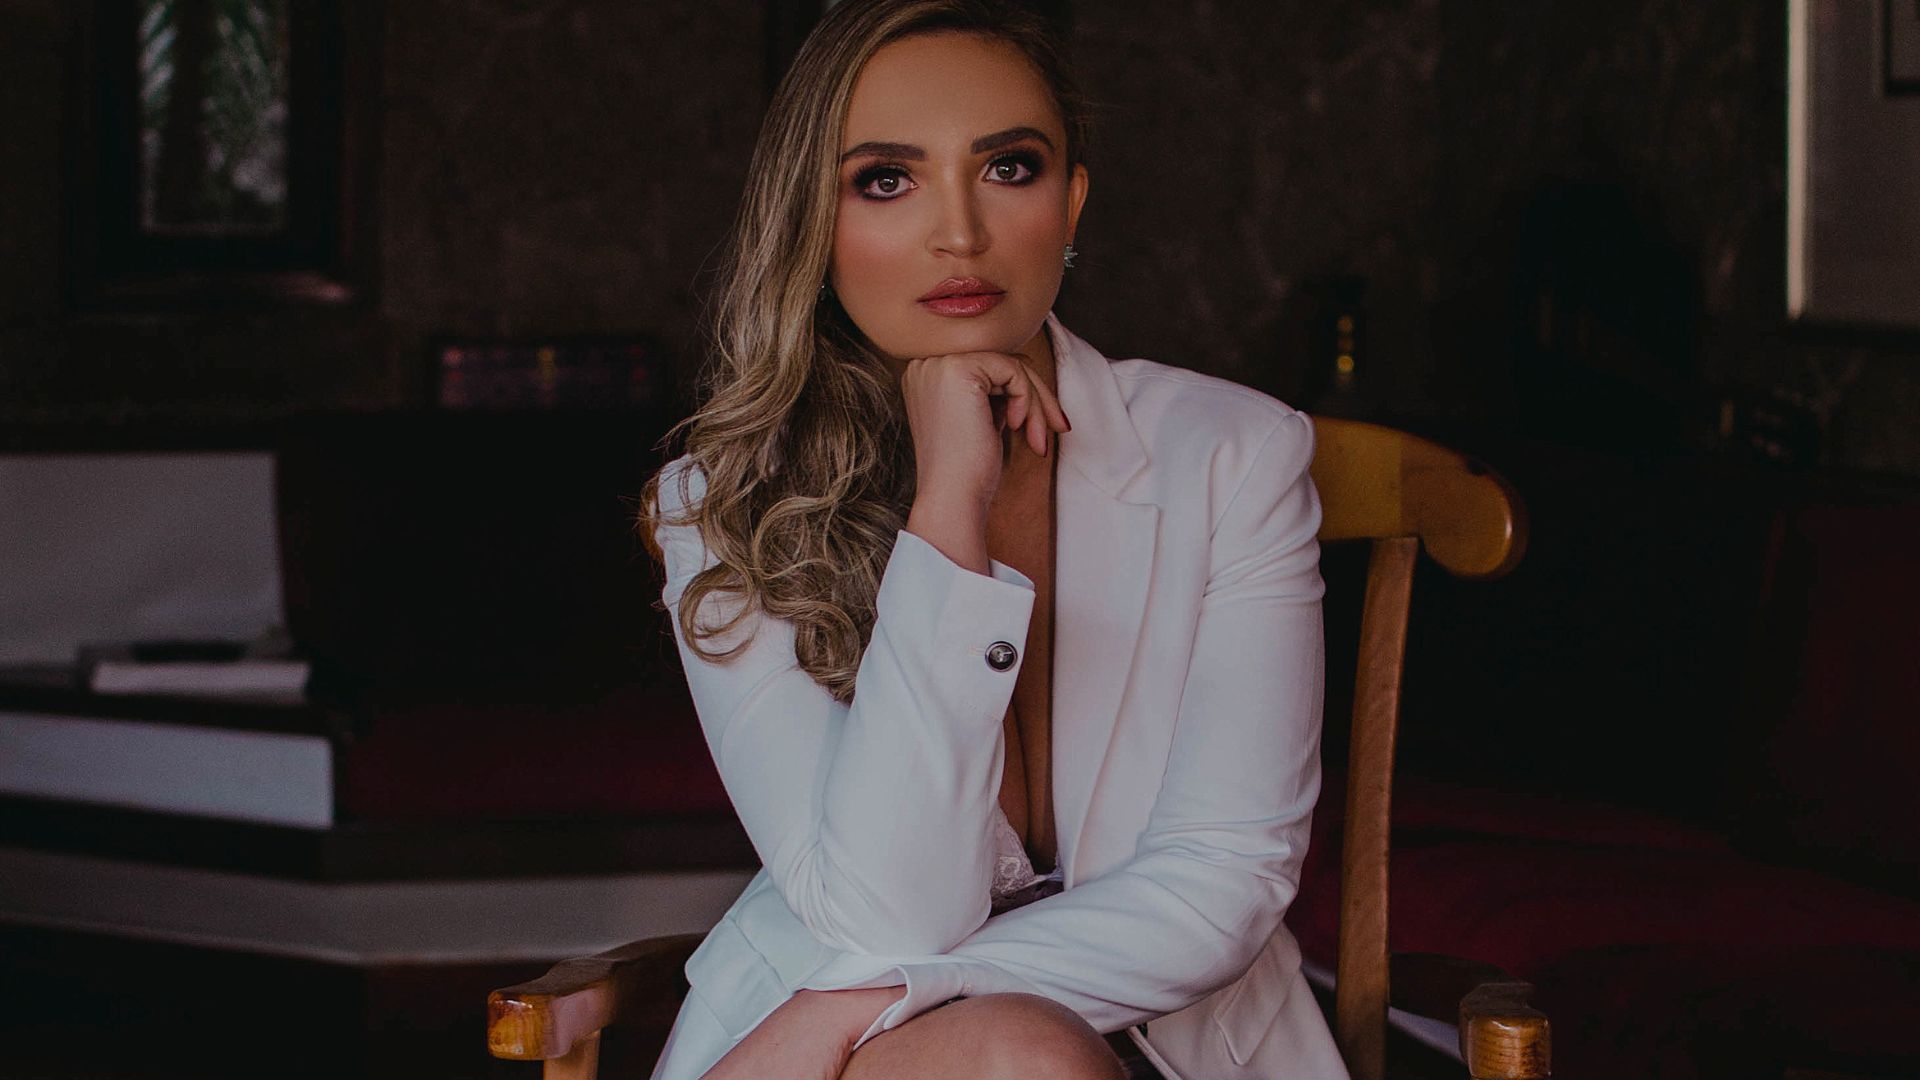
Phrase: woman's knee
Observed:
(1025, 1035)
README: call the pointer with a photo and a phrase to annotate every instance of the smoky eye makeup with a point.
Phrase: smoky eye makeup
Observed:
(894, 176)
(1026, 159)
(1015, 168)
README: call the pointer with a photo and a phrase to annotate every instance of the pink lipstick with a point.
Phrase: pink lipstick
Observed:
(963, 297)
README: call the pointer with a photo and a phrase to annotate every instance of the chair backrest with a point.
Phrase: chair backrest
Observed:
(1402, 493)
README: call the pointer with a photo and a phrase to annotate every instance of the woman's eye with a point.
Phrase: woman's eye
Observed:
(881, 182)
(1014, 168)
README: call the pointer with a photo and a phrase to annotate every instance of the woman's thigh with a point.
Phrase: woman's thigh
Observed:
(990, 1037)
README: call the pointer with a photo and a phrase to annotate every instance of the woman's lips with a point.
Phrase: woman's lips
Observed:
(964, 306)
(962, 297)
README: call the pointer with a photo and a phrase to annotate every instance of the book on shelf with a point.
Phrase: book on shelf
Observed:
(193, 668)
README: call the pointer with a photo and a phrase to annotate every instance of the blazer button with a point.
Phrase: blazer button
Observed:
(1001, 655)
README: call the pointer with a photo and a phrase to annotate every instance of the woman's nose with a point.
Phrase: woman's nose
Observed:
(959, 228)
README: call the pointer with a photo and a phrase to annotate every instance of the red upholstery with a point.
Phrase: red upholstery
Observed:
(1659, 948)
(1524, 905)
(1657, 951)
(1836, 786)
(632, 752)
(1465, 820)
(1425, 806)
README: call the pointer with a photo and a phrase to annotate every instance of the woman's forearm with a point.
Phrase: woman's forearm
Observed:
(811, 1035)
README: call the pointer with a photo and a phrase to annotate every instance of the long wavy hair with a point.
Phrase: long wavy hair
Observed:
(801, 431)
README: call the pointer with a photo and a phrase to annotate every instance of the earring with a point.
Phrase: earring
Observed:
(822, 297)
(1070, 253)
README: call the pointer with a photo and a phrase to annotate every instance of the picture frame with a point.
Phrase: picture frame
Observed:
(1853, 165)
(318, 59)
(1900, 46)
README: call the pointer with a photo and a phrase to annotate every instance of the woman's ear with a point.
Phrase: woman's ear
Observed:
(1076, 197)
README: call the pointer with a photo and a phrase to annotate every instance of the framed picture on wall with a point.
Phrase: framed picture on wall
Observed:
(1853, 163)
(1900, 44)
(223, 150)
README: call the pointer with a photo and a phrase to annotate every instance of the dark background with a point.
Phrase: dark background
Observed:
(1561, 225)
(571, 166)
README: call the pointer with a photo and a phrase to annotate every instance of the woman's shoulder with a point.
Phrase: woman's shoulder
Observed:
(682, 484)
(1156, 389)
(1213, 444)
(1180, 412)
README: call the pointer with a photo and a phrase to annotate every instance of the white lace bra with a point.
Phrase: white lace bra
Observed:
(1014, 880)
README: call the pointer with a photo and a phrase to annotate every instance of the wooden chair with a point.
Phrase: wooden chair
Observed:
(1396, 490)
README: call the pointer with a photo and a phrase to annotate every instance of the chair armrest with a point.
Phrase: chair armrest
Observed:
(1502, 1037)
(639, 982)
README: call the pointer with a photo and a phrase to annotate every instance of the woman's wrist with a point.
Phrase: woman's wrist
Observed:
(857, 1009)
(955, 525)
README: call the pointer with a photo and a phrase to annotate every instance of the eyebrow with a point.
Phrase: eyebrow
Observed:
(980, 145)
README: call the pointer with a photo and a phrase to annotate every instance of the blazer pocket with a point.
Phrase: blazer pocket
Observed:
(733, 979)
(1250, 1007)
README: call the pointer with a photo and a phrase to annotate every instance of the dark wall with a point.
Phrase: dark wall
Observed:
(544, 168)
(1469, 159)
(570, 167)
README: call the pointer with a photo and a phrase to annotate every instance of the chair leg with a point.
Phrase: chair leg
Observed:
(580, 1063)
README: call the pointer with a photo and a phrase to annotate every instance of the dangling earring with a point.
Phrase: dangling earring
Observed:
(1070, 253)
(822, 298)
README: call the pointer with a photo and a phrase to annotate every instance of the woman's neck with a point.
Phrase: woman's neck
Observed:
(1039, 353)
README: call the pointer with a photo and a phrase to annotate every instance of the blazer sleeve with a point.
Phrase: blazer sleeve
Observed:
(873, 818)
(1219, 861)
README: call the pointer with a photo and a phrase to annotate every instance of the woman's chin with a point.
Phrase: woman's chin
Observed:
(979, 334)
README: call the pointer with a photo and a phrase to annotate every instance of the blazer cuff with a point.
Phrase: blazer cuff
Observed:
(1003, 572)
(919, 550)
(936, 614)
(931, 982)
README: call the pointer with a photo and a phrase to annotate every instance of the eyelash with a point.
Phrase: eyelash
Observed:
(871, 173)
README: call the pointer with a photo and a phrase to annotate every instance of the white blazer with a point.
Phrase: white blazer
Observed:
(1187, 686)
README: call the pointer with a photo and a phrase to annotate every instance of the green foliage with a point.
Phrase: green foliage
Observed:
(242, 120)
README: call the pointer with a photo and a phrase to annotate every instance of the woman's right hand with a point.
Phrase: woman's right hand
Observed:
(957, 406)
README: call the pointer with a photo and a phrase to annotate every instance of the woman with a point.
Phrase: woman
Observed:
(1008, 656)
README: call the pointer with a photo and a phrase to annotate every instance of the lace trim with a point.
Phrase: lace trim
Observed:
(1014, 880)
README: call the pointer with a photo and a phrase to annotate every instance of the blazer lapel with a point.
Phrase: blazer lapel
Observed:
(1103, 563)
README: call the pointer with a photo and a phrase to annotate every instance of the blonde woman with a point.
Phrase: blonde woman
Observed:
(1009, 655)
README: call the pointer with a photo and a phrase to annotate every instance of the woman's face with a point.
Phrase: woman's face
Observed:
(953, 167)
